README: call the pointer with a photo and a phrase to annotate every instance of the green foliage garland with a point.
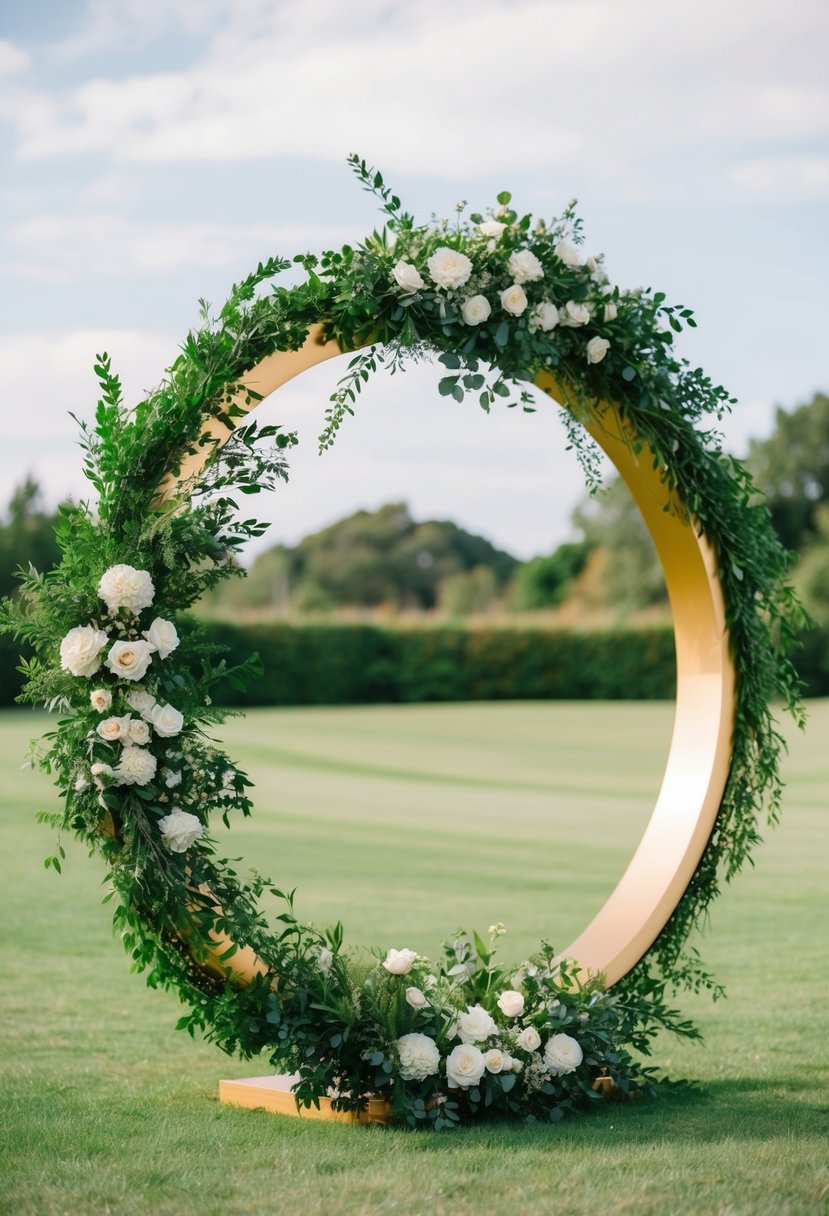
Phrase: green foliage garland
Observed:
(498, 299)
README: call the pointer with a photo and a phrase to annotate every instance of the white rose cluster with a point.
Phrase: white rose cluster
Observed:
(419, 1056)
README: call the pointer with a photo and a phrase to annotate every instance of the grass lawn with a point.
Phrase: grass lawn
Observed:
(405, 823)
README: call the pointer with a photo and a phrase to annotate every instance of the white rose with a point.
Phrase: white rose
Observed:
(129, 660)
(80, 650)
(465, 1066)
(491, 228)
(141, 702)
(408, 277)
(416, 998)
(171, 779)
(511, 1004)
(99, 771)
(610, 311)
(596, 269)
(167, 721)
(475, 310)
(529, 1039)
(139, 732)
(162, 636)
(596, 349)
(448, 268)
(419, 1057)
(324, 959)
(112, 729)
(562, 1055)
(137, 766)
(496, 1060)
(544, 316)
(525, 267)
(398, 962)
(126, 587)
(179, 829)
(475, 1024)
(575, 314)
(568, 253)
(514, 300)
(100, 699)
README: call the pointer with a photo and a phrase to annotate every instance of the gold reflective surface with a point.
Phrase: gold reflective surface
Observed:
(698, 760)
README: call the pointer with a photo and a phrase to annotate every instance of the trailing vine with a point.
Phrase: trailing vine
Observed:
(497, 299)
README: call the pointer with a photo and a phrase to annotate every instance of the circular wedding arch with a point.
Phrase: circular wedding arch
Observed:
(503, 303)
(697, 766)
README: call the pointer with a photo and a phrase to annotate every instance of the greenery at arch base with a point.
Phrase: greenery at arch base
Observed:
(497, 298)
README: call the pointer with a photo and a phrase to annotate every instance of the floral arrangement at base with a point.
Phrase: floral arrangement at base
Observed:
(498, 299)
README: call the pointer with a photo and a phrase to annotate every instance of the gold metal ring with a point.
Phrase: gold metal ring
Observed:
(698, 761)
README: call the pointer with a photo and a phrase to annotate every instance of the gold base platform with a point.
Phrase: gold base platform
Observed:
(274, 1094)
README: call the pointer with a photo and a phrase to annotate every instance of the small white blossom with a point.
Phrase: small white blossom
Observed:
(575, 314)
(492, 228)
(596, 349)
(525, 267)
(416, 998)
(325, 959)
(449, 268)
(419, 1057)
(180, 829)
(610, 311)
(171, 779)
(125, 587)
(568, 253)
(80, 650)
(399, 962)
(514, 300)
(408, 277)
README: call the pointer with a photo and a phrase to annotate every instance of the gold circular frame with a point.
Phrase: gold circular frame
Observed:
(700, 753)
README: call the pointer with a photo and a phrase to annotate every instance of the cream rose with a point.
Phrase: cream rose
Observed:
(496, 1060)
(399, 962)
(142, 702)
(179, 829)
(514, 300)
(416, 998)
(139, 732)
(544, 316)
(475, 310)
(166, 720)
(137, 766)
(129, 660)
(511, 1004)
(596, 349)
(465, 1066)
(562, 1055)
(525, 267)
(529, 1039)
(610, 311)
(568, 253)
(575, 314)
(448, 268)
(493, 228)
(80, 650)
(419, 1057)
(100, 699)
(113, 729)
(475, 1024)
(408, 277)
(125, 587)
(162, 636)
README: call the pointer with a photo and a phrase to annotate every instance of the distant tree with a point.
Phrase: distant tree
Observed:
(631, 574)
(26, 535)
(791, 468)
(544, 582)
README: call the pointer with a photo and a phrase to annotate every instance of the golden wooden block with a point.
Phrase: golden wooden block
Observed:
(273, 1094)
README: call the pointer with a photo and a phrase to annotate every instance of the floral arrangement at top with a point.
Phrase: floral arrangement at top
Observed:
(499, 299)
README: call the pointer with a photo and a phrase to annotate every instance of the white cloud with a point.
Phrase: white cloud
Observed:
(786, 179)
(593, 88)
(13, 59)
(50, 246)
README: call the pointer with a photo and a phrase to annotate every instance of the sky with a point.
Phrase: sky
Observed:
(153, 151)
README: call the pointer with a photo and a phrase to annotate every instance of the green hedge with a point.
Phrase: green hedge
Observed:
(365, 664)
